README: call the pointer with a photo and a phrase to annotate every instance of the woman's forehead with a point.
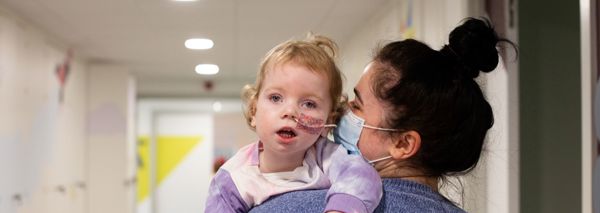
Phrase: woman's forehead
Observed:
(367, 76)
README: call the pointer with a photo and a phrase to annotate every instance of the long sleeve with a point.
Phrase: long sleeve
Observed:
(239, 184)
(356, 186)
(223, 195)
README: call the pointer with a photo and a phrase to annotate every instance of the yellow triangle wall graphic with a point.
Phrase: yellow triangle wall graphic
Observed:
(170, 151)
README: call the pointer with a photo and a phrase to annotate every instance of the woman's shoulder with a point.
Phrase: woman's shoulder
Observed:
(399, 196)
(295, 201)
(408, 196)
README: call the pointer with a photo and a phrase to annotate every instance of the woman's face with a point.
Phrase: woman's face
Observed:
(373, 144)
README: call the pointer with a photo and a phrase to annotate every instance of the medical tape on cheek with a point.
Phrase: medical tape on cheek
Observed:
(309, 124)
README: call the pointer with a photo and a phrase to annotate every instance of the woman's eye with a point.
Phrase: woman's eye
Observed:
(309, 104)
(275, 98)
(353, 105)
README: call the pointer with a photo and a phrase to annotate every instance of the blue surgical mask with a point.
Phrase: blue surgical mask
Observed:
(348, 132)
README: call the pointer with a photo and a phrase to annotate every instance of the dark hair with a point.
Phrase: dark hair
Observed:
(434, 93)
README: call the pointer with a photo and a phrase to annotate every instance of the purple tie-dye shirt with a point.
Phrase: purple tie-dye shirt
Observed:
(354, 186)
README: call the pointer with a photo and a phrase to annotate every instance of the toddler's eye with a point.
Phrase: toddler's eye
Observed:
(275, 98)
(309, 104)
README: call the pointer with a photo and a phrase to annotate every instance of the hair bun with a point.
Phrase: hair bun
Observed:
(474, 44)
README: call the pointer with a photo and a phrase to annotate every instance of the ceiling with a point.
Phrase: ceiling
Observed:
(147, 36)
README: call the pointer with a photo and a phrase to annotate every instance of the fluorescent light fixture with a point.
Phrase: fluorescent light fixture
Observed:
(207, 69)
(217, 107)
(199, 43)
(184, 0)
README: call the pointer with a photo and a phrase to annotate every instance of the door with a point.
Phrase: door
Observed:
(174, 162)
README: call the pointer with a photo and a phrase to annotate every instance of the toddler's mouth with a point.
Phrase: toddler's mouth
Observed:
(286, 132)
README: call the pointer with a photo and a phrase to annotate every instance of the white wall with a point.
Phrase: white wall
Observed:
(432, 21)
(42, 141)
(357, 51)
(111, 163)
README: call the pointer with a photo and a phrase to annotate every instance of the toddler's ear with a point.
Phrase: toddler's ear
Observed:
(253, 122)
(252, 111)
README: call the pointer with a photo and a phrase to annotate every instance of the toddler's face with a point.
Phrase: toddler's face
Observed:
(289, 91)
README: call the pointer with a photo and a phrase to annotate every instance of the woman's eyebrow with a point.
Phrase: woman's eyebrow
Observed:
(357, 94)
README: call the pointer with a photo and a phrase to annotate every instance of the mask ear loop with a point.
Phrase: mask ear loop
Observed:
(379, 128)
(372, 162)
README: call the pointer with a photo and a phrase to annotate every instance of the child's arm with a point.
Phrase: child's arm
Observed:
(355, 185)
(223, 196)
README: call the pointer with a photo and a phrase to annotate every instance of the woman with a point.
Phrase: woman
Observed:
(418, 117)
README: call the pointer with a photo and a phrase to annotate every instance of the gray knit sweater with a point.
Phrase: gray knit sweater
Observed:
(398, 196)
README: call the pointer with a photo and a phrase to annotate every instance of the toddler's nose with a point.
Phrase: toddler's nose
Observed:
(290, 113)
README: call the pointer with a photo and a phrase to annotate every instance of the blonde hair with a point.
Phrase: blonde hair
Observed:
(315, 52)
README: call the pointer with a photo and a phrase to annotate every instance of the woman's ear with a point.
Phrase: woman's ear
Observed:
(406, 146)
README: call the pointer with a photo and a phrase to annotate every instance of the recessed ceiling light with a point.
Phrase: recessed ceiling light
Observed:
(207, 69)
(199, 43)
